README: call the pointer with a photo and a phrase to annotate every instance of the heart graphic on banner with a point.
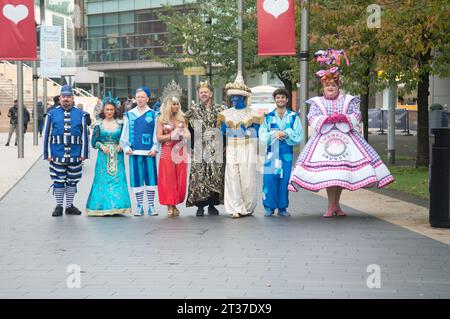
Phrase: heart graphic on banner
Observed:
(15, 14)
(276, 7)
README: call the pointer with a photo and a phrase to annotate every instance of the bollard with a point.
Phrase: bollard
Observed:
(440, 179)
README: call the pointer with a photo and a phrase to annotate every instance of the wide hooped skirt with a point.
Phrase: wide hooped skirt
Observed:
(339, 159)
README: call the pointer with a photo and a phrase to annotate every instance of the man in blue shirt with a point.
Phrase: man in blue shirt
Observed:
(280, 131)
(66, 146)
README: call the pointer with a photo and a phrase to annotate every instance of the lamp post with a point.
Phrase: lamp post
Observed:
(304, 55)
(240, 25)
(208, 21)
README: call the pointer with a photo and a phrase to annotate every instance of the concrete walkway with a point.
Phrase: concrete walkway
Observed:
(12, 169)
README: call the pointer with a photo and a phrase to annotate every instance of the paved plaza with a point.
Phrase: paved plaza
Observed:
(302, 256)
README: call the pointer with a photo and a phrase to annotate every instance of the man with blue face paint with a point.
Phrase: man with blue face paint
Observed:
(240, 125)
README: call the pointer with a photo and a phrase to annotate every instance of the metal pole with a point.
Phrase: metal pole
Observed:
(240, 57)
(20, 124)
(35, 101)
(197, 81)
(44, 80)
(304, 56)
(391, 123)
(189, 90)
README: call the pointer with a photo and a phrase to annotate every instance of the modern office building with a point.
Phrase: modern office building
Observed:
(69, 15)
(119, 36)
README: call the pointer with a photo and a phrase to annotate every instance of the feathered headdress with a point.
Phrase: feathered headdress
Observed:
(109, 99)
(331, 58)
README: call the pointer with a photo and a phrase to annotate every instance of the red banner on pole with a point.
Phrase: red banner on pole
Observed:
(276, 27)
(17, 30)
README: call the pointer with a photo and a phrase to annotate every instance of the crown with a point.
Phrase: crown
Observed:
(204, 85)
(238, 87)
(109, 99)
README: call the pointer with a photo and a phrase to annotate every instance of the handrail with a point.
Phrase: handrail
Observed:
(80, 91)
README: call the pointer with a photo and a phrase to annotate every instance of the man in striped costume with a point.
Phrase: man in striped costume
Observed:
(66, 146)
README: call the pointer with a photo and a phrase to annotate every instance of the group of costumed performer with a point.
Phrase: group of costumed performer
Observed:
(336, 156)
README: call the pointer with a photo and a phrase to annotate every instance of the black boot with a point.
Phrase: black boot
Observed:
(212, 210)
(200, 211)
(72, 210)
(7, 144)
(58, 211)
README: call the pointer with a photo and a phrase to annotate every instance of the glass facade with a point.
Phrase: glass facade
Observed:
(126, 31)
(123, 83)
(124, 35)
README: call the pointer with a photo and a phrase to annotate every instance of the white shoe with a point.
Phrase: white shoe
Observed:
(140, 211)
(151, 211)
(235, 215)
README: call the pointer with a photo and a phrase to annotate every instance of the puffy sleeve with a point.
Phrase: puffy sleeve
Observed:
(353, 113)
(294, 135)
(125, 136)
(315, 116)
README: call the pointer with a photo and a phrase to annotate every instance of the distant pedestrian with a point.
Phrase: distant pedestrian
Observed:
(129, 103)
(40, 117)
(13, 114)
(55, 103)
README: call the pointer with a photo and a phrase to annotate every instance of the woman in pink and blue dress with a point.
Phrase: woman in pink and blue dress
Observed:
(336, 156)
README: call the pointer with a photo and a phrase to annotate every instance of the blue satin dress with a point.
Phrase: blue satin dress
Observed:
(109, 192)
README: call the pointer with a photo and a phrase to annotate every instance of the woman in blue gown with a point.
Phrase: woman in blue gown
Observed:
(109, 191)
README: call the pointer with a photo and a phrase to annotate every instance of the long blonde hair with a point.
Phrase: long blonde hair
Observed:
(166, 111)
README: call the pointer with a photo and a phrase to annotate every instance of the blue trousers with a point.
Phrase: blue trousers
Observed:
(65, 174)
(275, 192)
(142, 172)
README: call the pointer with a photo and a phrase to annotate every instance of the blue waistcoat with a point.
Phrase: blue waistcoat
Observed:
(66, 137)
(141, 130)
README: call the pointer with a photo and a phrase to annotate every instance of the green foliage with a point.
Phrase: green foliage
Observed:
(217, 42)
(411, 180)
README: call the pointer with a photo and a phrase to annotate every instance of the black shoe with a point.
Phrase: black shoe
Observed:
(15, 144)
(7, 144)
(212, 210)
(58, 211)
(72, 210)
(200, 212)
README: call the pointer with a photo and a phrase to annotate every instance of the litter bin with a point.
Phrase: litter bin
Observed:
(440, 178)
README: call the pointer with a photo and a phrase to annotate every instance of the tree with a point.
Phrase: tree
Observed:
(349, 31)
(216, 42)
(415, 41)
